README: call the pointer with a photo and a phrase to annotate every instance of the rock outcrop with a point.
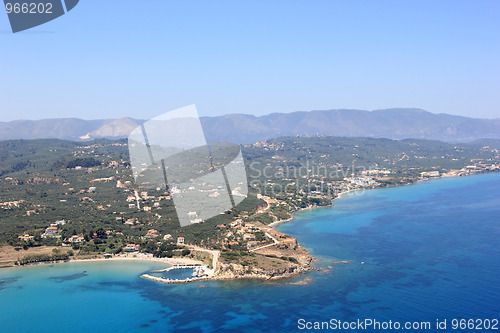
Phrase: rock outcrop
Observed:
(238, 271)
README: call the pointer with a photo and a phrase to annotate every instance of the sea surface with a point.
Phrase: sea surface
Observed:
(414, 254)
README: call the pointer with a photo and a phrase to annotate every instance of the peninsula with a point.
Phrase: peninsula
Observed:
(64, 200)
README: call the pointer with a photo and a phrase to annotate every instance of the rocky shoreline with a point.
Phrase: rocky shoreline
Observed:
(237, 271)
(234, 271)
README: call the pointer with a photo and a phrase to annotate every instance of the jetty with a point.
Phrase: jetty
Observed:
(199, 273)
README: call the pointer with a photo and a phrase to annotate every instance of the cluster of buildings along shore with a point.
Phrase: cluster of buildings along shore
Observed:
(237, 230)
(241, 231)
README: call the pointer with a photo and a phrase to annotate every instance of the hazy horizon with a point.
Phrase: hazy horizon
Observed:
(234, 113)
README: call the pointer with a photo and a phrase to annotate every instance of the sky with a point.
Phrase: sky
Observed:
(139, 59)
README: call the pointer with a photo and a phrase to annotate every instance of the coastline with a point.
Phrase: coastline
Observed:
(263, 277)
(325, 284)
(214, 274)
(120, 257)
(339, 196)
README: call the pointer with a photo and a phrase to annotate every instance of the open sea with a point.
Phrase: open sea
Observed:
(418, 253)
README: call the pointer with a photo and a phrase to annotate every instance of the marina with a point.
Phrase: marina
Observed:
(180, 274)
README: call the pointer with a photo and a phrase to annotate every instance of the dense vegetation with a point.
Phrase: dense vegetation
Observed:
(41, 177)
(30, 259)
(83, 162)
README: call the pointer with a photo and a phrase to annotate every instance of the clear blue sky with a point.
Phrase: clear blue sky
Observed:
(110, 58)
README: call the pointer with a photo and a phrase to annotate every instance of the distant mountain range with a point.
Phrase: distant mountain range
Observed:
(243, 128)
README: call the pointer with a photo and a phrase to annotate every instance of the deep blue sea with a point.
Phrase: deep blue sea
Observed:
(416, 253)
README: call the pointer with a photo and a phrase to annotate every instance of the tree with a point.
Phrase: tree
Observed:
(100, 232)
(149, 247)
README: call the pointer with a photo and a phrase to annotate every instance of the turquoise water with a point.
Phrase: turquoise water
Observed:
(417, 253)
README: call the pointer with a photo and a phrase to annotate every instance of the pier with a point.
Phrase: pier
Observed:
(199, 273)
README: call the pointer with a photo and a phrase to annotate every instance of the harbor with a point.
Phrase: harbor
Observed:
(190, 273)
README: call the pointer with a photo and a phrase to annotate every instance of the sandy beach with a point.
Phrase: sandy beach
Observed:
(8, 256)
(148, 257)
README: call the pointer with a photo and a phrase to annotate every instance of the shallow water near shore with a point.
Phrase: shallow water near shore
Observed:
(416, 253)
